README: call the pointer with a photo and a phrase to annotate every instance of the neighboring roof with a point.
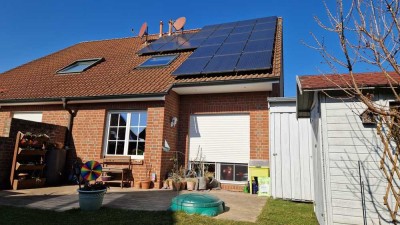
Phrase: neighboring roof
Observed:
(308, 85)
(363, 80)
(116, 76)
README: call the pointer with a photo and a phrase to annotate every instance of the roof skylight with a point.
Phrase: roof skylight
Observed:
(80, 65)
(163, 60)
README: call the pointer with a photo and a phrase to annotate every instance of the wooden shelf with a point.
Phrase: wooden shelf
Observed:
(20, 166)
(25, 151)
(29, 183)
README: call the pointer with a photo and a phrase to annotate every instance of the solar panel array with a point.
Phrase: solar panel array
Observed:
(229, 47)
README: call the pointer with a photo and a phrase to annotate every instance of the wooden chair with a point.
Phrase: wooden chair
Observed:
(118, 165)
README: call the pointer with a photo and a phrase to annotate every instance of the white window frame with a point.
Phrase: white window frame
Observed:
(127, 130)
(217, 174)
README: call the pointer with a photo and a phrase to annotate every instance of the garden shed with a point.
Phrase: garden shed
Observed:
(290, 152)
(346, 152)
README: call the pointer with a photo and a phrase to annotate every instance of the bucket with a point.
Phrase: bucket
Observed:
(91, 200)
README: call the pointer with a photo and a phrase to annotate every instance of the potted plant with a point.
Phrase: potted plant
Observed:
(177, 181)
(92, 193)
(191, 183)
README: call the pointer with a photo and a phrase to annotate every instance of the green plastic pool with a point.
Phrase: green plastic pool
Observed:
(193, 203)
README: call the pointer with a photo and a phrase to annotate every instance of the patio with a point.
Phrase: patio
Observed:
(239, 206)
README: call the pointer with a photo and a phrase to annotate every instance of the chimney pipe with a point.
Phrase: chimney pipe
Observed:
(170, 27)
(161, 28)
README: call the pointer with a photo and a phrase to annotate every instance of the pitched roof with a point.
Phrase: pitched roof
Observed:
(117, 75)
(363, 80)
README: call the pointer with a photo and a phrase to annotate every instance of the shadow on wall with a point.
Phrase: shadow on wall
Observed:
(7, 142)
(358, 143)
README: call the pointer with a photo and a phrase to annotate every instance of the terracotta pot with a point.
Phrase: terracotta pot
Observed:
(136, 184)
(183, 185)
(145, 184)
(191, 185)
(177, 185)
(171, 184)
(165, 184)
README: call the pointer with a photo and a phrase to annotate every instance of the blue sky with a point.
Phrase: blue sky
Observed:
(32, 29)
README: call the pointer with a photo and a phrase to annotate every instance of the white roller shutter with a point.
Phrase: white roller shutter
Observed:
(31, 116)
(221, 138)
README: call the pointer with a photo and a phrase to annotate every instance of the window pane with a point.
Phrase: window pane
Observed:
(132, 148)
(120, 148)
(226, 172)
(142, 133)
(112, 134)
(133, 133)
(241, 173)
(158, 61)
(122, 119)
(143, 119)
(111, 147)
(121, 133)
(141, 148)
(134, 119)
(114, 120)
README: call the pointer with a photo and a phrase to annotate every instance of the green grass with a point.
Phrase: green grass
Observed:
(274, 212)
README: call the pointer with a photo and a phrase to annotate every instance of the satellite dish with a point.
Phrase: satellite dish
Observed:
(179, 23)
(143, 30)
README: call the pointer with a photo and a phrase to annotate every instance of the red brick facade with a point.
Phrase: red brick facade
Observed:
(90, 123)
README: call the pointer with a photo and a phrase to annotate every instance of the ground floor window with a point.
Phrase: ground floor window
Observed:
(225, 172)
(126, 133)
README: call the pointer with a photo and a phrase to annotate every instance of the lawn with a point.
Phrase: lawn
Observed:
(274, 212)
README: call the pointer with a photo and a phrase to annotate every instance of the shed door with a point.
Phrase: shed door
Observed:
(31, 116)
(220, 138)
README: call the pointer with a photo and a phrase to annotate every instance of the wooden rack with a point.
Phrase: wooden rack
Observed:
(28, 161)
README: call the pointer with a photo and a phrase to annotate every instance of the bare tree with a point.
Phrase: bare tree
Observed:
(368, 35)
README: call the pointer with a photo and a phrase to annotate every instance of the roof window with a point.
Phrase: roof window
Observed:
(80, 65)
(154, 61)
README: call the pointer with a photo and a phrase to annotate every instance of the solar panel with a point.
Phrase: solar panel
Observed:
(255, 61)
(259, 45)
(192, 66)
(220, 64)
(214, 41)
(264, 34)
(267, 19)
(244, 29)
(164, 39)
(171, 46)
(231, 48)
(205, 51)
(202, 34)
(151, 48)
(210, 27)
(264, 26)
(227, 25)
(237, 38)
(191, 44)
(246, 22)
(221, 32)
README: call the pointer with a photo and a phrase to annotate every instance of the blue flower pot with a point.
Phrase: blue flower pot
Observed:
(91, 200)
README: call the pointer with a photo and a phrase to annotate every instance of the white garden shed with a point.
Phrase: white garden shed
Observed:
(341, 142)
(290, 152)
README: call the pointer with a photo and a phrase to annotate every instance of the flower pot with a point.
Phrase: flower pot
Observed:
(91, 200)
(137, 185)
(183, 185)
(171, 184)
(177, 185)
(145, 184)
(191, 185)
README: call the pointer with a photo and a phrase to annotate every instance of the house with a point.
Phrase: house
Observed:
(196, 91)
(346, 148)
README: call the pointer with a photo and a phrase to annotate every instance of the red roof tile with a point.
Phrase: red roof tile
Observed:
(373, 79)
(115, 76)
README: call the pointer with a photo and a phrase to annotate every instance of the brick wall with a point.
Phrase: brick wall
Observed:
(254, 103)
(7, 142)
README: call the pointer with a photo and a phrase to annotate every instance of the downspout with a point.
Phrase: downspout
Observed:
(72, 114)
